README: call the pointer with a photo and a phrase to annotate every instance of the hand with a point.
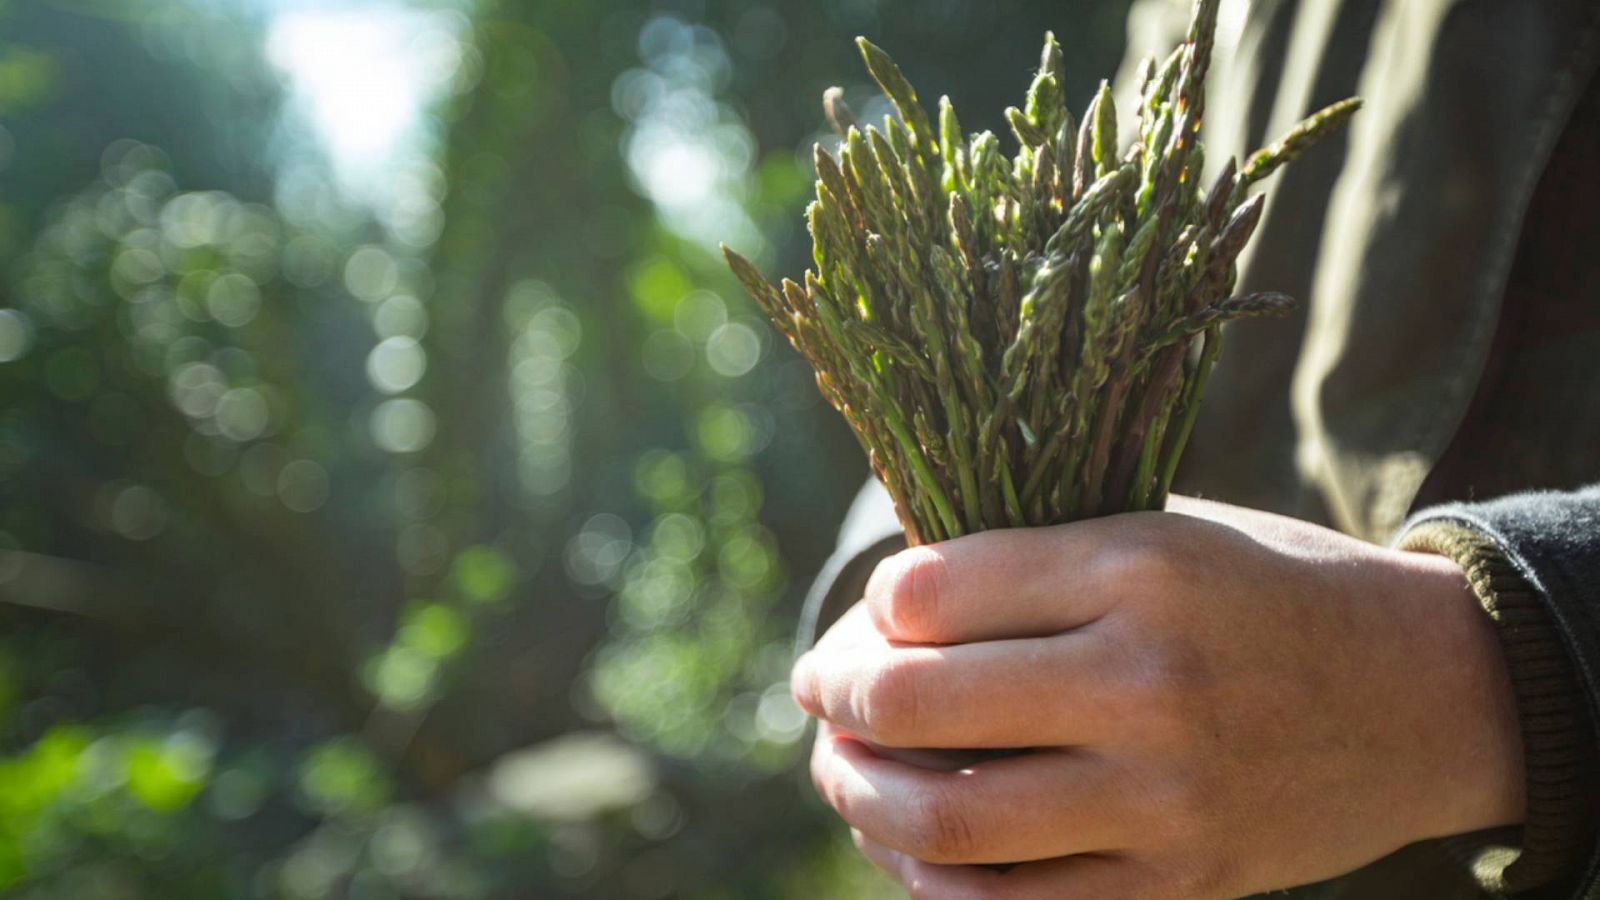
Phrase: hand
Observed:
(1215, 701)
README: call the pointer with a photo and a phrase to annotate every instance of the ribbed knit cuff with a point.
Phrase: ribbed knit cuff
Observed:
(1556, 734)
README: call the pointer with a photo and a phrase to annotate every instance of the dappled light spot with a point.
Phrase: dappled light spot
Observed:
(483, 574)
(746, 560)
(733, 350)
(658, 816)
(662, 477)
(166, 774)
(553, 331)
(396, 364)
(186, 349)
(404, 843)
(400, 316)
(678, 536)
(342, 776)
(657, 594)
(778, 717)
(303, 485)
(699, 314)
(667, 355)
(136, 266)
(402, 425)
(191, 294)
(435, 630)
(724, 433)
(364, 77)
(137, 513)
(573, 851)
(194, 219)
(596, 553)
(237, 793)
(233, 300)
(371, 273)
(196, 388)
(657, 284)
(242, 414)
(575, 777)
(318, 863)
(542, 381)
(735, 496)
(687, 152)
(403, 677)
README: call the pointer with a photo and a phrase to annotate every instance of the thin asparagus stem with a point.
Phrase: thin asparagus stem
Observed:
(986, 322)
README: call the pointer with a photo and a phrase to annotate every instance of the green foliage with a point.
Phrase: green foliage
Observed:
(75, 797)
(166, 775)
(342, 778)
(482, 574)
(435, 630)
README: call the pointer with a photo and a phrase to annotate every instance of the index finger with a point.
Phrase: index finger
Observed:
(979, 695)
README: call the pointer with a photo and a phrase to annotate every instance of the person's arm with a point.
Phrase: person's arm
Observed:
(1533, 560)
(1217, 702)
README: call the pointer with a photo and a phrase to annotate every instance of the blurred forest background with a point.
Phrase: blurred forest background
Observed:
(397, 498)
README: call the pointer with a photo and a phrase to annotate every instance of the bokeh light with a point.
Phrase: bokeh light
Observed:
(403, 425)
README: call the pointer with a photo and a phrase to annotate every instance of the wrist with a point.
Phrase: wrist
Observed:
(1559, 815)
(1479, 775)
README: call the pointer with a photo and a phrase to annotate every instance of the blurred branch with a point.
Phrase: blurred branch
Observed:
(136, 612)
(59, 585)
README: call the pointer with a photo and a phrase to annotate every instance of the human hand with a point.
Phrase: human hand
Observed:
(1215, 701)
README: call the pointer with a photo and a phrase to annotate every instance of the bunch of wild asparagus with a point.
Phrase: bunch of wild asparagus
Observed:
(1025, 341)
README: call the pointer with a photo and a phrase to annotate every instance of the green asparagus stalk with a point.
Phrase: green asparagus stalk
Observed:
(1026, 340)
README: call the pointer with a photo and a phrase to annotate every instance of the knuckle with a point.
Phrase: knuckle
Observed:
(1156, 692)
(1169, 684)
(941, 830)
(1206, 877)
(1185, 813)
(889, 705)
(1188, 803)
(912, 586)
(1146, 559)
